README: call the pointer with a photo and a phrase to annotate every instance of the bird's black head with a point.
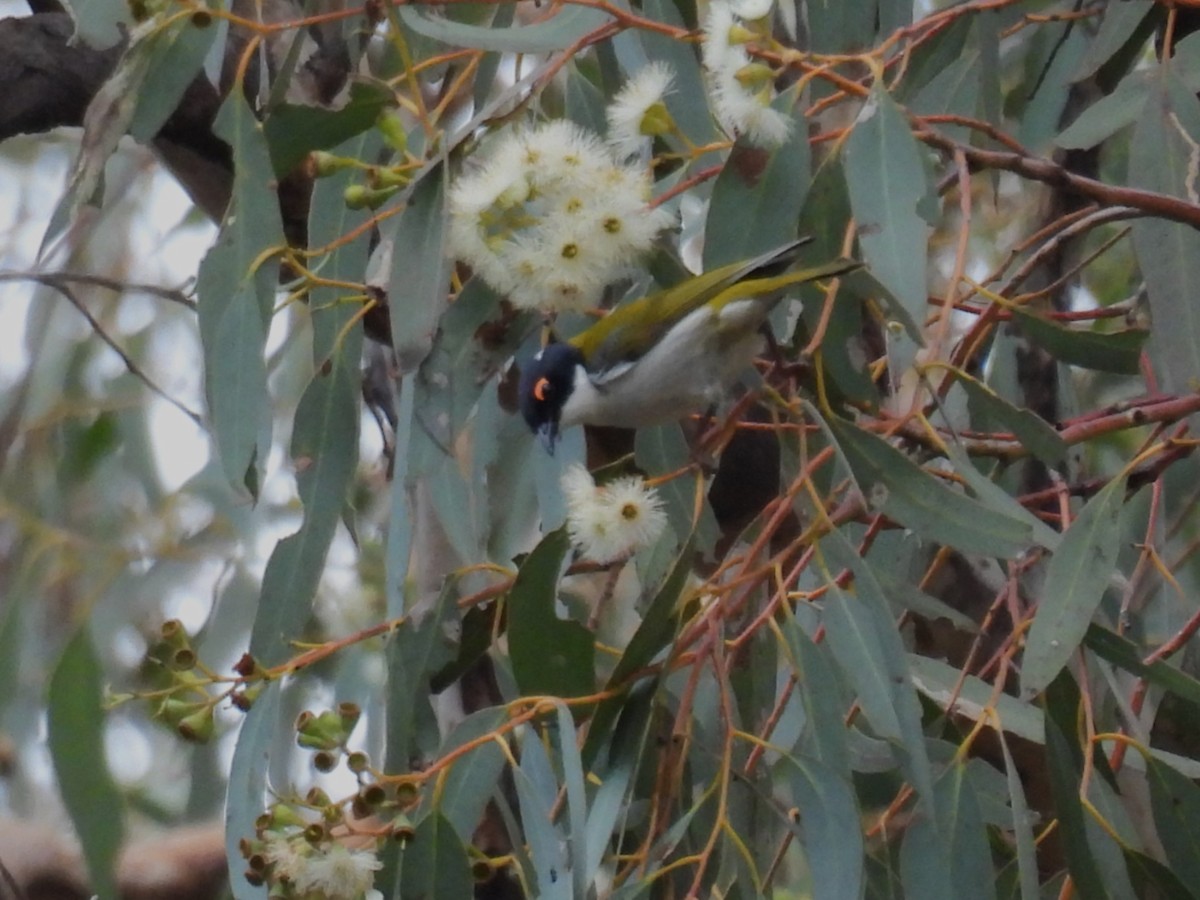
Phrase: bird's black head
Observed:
(546, 383)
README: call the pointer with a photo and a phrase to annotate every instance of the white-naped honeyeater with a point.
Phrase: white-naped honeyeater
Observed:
(666, 355)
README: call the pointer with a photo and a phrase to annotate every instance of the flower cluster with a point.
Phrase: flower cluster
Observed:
(741, 89)
(330, 871)
(611, 521)
(551, 218)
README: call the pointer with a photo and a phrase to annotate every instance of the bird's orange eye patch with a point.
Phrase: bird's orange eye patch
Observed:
(540, 389)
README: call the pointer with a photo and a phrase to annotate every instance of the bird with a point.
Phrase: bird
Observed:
(665, 355)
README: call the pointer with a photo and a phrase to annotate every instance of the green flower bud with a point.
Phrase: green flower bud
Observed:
(322, 732)
(656, 120)
(359, 197)
(199, 726)
(755, 76)
(391, 129)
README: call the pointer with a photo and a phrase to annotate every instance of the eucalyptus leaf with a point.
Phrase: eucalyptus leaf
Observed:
(236, 297)
(1109, 114)
(1064, 762)
(1162, 156)
(827, 826)
(537, 790)
(1175, 800)
(469, 784)
(435, 865)
(555, 33)
(1034, 433)
(867, 646)
(75, 735)
(658, 627)
(1022, 826)
(1123, 653)
(1076, 578)
(756, 199)
(247, 787)
(824, 736)
(420, 272)
(294, 130)
(1114, 351)
(176, 58)
(1120, 22)
(906, 493)
(887, 182)
(550, 656)
(105, 122)
(324, 442)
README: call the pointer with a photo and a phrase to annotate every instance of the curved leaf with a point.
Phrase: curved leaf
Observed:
(561, 30)
(1113, 351)
(909, 495)
(75, 724)
(550, 656)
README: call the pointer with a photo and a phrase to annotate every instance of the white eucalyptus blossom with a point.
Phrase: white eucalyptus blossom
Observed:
(550, 217)
(611, 521)
(337, 873)
(740, 90)
(638, 113)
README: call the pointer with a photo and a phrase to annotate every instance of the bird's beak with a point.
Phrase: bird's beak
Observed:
(548, 435)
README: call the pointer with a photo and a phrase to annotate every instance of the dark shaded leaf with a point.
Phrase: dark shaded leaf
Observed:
(294, 130)
(656, 631)
(550, 656)
(1114, 351)
(435, 864)
(75, 725)
(1121, 652)
(1175, 799)
(841, 26)
(1150, 878)
(756, 199)
(1064, 764)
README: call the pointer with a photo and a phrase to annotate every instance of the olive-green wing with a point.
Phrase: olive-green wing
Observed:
(622, 335)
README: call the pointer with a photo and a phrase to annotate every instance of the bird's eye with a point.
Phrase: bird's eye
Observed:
(540, 389)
